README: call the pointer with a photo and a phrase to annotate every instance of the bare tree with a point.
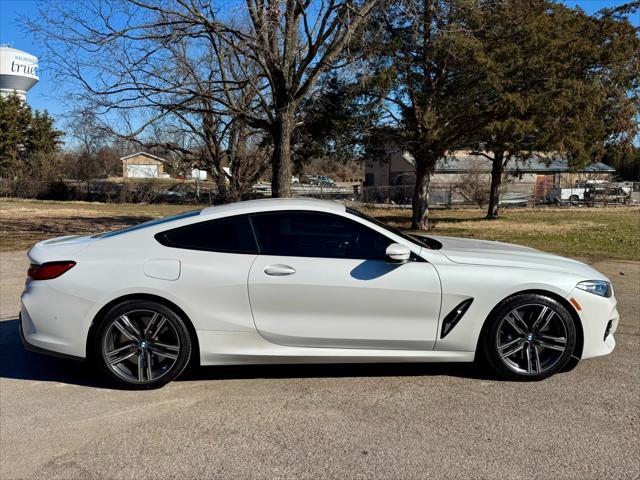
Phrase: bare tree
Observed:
(89, 154)
(148, 74)
(293, 42)
(199, 67)
(473, 184)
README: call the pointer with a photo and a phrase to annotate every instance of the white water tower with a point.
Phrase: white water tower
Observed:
(18, 71)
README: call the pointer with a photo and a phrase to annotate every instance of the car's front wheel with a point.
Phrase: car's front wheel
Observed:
(529, 337)
(142, 344)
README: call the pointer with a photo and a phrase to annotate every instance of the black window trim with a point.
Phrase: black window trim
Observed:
(148, 224)
(163, 240)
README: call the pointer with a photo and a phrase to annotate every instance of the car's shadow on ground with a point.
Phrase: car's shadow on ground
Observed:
(230, 372)
(17, 363)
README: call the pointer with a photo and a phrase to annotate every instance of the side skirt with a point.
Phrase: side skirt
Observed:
(247, 348)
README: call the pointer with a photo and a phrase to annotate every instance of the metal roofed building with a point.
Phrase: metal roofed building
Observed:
(398, 169)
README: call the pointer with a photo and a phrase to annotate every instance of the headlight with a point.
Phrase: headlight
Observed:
(598, 287)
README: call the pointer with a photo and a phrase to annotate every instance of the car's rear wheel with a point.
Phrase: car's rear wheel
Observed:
(529, 337)
(142, 344)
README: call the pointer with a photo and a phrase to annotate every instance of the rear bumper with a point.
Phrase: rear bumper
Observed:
(49, 324)
(35, 349)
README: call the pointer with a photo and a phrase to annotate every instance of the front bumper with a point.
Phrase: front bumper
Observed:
(599, 317)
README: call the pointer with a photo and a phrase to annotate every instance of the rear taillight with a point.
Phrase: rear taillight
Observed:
(49, 270)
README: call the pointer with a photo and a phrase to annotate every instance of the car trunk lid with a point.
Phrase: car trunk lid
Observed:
(57, 249)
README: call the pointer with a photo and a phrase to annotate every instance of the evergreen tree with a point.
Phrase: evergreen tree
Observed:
(423, 65)
(24, 135)
(556, 81)
(507, 78)
(337, 121)
(15, 119)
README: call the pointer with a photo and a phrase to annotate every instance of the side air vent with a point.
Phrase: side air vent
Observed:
(608, 330)
(454, 317)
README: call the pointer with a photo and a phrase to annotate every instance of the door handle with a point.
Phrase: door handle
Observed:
(279, 270)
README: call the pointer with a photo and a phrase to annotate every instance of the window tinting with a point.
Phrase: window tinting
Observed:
(316, 234)
(229, 234)
(421, 241)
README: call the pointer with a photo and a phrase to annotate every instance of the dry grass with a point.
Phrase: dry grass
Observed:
(612, 232)
(25, 222)
(580, 232)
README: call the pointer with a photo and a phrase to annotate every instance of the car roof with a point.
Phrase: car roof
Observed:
(271, 204)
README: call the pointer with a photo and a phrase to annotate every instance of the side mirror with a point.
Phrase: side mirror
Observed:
(398, 253)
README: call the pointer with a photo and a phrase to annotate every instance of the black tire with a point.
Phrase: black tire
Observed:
(141, 344)
(535, 351)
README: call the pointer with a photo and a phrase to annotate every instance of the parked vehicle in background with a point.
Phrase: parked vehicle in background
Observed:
(607, 194)
(591, 192)
(571, 195)
(179, 193)
(321, 180)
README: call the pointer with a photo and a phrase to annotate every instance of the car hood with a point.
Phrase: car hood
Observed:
(484, 252)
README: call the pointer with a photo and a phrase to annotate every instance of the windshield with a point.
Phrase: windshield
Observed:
(150, 223)
(418, 240)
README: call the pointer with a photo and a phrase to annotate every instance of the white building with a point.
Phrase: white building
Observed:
(143, 165)
(198, 174)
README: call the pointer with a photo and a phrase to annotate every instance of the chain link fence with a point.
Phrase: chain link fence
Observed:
(511, 195)
(443, 195)
(200, 192)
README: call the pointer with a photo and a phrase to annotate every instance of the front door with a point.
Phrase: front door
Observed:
(321, 280)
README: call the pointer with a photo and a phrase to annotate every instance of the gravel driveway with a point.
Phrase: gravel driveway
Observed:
(58, 420)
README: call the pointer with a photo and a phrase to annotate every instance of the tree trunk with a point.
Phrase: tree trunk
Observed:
(420, 218)
(281, 158)
(496, 179)
(221, 184)
(214, 167)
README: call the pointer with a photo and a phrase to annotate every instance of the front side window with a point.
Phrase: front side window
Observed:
(420, 241)
(317, 234)
(228, 235)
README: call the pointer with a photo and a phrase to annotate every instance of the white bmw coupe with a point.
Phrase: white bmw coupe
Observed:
(293, 281)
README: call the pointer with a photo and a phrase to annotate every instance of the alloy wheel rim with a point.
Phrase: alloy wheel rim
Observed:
(531, 339)
(141, 346)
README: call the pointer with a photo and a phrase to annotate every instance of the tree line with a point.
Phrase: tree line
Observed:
(265, 85)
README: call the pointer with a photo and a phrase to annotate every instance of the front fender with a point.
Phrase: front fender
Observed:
(488, 286)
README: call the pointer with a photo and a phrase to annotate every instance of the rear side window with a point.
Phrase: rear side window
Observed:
(316, 234)
(228, 235)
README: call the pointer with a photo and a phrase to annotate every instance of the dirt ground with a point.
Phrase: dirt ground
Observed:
(59, 420)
